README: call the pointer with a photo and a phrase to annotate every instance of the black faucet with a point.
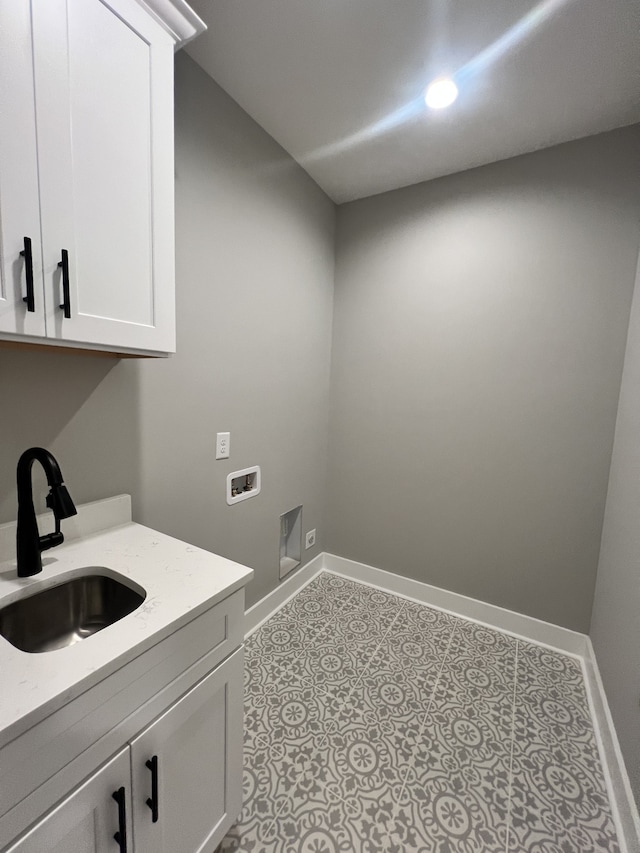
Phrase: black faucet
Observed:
(29, 541)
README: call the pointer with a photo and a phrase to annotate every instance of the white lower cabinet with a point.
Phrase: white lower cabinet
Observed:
(87, 820)
(175, 788)
(187, 787)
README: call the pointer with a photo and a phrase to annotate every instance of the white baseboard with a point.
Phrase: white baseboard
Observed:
(525, 627)
(620, 792)
(267, 606)
(517, 624)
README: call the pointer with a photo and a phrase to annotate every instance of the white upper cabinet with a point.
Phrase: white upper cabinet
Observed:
(19, 203)
(103, 78)
(96, 91)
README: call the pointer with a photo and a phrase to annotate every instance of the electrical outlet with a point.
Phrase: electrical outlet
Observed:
(310, 539)
(223, 444)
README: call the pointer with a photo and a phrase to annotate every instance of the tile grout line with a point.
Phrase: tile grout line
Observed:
(429, 705)
(345, 701)
(272, 687)
(320, 633)
(324, 630)
(367, 666)
(513, 743)
(445, 660)
(424, 718)
(276, 816)
(298, 775)
(454, 629)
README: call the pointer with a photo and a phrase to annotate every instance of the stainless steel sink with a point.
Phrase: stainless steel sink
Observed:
(67, 613)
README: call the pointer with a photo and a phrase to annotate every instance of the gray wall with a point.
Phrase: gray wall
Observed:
(479, 332)
(615, 625)
(255, 263)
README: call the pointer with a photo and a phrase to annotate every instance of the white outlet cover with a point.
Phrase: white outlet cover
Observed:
(310, 539)
(223, 445)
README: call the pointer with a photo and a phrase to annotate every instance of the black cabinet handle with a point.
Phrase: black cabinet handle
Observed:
(121, 835)
(66, 296)
(152, 801)
(27, 254)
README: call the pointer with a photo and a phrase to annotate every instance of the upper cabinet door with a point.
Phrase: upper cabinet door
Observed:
(19, 206)
(104, 97)
(186, 768)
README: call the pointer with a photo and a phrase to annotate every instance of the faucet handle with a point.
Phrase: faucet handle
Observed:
(50, 540)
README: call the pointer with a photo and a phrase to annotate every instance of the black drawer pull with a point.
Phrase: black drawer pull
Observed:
(27, 254)
(152, 801)
(121, 835)
(66, 296)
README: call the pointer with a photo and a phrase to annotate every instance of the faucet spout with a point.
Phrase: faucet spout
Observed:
(29, 542)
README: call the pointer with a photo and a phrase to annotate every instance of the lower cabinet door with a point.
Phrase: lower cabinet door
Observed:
(186, 767)
(87, 820)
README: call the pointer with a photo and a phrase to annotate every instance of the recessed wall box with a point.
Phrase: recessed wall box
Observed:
(290, 540)
(242, 485)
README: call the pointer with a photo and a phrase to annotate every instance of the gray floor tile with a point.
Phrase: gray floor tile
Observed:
(412, 652)
(558, 790)
(426, 621)
(393, 694)
(332, 662)
(339, 587)
(337, 829)
(373, 723)
(457, 793)
(362, 626)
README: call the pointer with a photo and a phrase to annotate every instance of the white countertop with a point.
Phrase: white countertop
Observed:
(180, 581)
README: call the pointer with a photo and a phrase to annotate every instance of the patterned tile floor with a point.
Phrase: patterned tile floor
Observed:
(373, 723)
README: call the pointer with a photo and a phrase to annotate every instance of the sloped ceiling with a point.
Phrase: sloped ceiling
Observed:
(339, 83)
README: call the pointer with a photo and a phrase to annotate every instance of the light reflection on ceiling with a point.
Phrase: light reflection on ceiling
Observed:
(521, 31)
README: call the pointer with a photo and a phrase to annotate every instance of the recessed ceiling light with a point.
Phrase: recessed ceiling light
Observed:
(440, 93)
